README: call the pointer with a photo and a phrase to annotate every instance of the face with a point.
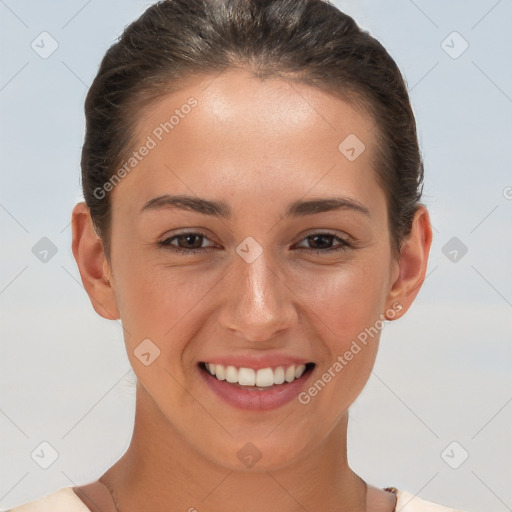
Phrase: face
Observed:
(289, 262)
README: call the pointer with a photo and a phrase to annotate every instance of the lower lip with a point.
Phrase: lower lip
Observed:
(256, 399)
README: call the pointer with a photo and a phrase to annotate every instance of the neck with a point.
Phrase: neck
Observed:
(161, 472)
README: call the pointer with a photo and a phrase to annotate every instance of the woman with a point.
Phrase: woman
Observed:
(252, 184)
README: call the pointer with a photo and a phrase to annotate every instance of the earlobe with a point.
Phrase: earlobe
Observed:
(412, 265)
(92, 263)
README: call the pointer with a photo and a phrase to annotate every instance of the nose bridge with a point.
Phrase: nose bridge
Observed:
(258, 304)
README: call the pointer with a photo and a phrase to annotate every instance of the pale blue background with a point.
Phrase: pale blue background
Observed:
(443, 372)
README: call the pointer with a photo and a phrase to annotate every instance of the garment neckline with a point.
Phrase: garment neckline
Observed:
(393, 490)
(97, 497)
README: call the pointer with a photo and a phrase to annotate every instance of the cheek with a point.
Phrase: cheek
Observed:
(161, 303)
(345, 301)
(346, 308)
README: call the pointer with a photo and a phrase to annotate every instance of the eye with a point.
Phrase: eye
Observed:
(188, 242)
(192, 243)
(322, 243)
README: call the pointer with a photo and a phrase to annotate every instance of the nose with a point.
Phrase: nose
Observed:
(258, 302)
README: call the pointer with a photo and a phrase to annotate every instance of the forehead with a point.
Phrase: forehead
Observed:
(240, 136)
(237, 99)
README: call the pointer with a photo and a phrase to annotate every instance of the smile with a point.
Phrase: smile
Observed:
(255, 389)
(262, 378)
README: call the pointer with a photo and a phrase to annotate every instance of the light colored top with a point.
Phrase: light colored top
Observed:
(62, 500)
(65, 500)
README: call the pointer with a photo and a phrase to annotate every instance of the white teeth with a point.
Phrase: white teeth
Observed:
(220, 372)
(299, 370)
(262, 378)
(290, 374)
(279, 375)
(246, 377)
(231, 374)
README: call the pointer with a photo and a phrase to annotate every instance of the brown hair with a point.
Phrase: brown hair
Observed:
(307, 41)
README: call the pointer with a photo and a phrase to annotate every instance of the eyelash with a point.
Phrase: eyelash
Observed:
(166, 243)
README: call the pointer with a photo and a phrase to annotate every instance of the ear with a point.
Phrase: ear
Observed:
(93, 264)
(412, 265)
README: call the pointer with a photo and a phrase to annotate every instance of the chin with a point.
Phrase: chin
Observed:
(259, 453)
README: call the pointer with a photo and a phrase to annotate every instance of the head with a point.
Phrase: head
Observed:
(296, 127)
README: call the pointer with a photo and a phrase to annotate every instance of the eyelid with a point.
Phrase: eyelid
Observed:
(185, 231)
(344, 244)
(165, 241)
(342, 236)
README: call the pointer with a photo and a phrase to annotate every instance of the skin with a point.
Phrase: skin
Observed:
(259, 146)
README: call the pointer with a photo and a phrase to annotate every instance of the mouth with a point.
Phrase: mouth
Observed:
(256, 389)
(256, 379)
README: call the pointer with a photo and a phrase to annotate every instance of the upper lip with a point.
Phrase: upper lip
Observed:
(257, 362)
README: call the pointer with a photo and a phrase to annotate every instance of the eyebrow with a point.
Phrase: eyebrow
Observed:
(222, 209)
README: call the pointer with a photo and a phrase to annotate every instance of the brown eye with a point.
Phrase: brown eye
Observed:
(189, 241)
(322, 243)
(185, 242)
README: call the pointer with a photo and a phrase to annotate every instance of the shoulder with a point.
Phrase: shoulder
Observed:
(61, 500)
(407, 502)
